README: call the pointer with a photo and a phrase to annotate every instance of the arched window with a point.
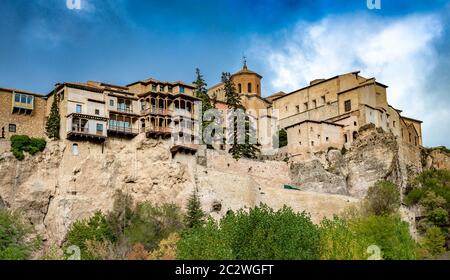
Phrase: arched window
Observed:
(240, 88)
(249, 87)
(355, 135)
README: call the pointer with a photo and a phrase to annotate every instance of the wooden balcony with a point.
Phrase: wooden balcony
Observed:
(156, 111)
(123, 131)
(158, 131)
(84, 133)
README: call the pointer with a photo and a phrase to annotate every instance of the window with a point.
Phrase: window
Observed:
(99, 127)
(249, 87)
(314, 103)
(75, 149)
(300, 143)
(297, 108)
(355, 135)
(78, 109)
(348, 105)
(326, 139)
(299, 131)
(169, 89)
(323, 99)
(17, 98)
(345, 138)
(111, 103)
(240, 88)
(393, 123)
(181, 89)
(97, 111)
(306, 106)
(318, 136)
(354, 123)
(153, 87)
(12, 128)
(312, 143)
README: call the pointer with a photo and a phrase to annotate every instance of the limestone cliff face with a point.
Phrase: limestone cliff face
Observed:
(55, 188)
(375, 155)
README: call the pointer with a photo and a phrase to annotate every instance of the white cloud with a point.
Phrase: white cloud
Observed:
(399, 52)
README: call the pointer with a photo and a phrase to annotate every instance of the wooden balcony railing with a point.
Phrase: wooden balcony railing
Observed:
(122, 129)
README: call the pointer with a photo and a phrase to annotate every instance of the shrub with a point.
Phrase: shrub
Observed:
(431, 201)
(383, 198)
(95, 228)
(438, 217)
(204, 243)
(437, 181)
(259, 234)
(167, 249)
(434, 241)
(150, 224)
(389, 233)
(339, 242)
(15, 243)
(23, 143)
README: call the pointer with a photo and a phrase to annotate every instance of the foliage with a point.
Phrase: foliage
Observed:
(339, 242)
(434, 241)
(167, 249)
(95, 228)
(438, 217)
(195, 215)
(431, 201)
(246, 148)
(383, 198)
(281, 139)
(138, 252)
(389, 233)
(202, 93)
(23, 143)
(15, 243)
(437, 181)
(150, 224)
(204, 243)
(120, 216)
(53, 122)
(259, 234)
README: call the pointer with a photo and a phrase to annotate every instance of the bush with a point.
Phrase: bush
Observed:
(204, 243)
(431, 201)
(81, 232)
(437, 181)
(339, 242)
(15, 243)
(260, 234)
(438, 217)
(23, 143)
(434, 241)
(389, 233)
(150, 224)
(383, 198)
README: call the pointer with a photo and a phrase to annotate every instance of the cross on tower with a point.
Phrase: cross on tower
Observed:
(244, 61)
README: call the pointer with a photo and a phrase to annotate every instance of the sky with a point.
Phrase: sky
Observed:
(405, 44)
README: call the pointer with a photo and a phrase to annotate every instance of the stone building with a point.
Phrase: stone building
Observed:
(21, 112)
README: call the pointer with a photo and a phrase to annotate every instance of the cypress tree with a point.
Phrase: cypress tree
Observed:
(53, 122)
(202, 93)
(195, 215)
(238, 150)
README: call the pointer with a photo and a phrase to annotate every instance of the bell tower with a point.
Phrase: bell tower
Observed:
(247, 82)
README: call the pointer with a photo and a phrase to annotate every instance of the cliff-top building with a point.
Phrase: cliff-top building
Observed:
(326, 113)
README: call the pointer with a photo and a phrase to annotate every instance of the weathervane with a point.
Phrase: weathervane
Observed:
(244, 61)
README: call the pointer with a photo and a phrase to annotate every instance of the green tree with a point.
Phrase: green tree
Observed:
(383, 198)
(202, 93)
(96, 228)
(389, 233)
(431, 201)
(195, 215)
(437, 181)
(152, 223)
(434, 241)
(438, 217)
(53, 121)
(339, 242)
(120, 216)
(23, 143)
(15, 241)
(242, 142)
(204, 243)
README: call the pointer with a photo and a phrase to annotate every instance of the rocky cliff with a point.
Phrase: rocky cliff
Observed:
(55, 188)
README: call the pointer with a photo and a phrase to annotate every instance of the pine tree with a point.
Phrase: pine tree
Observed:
(195, 215)
(202, 93)
(53, 122)
(238, 150)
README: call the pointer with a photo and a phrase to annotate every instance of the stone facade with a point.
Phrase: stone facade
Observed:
(22, 113)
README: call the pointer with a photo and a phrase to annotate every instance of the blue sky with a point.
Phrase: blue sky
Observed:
(406, 45)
